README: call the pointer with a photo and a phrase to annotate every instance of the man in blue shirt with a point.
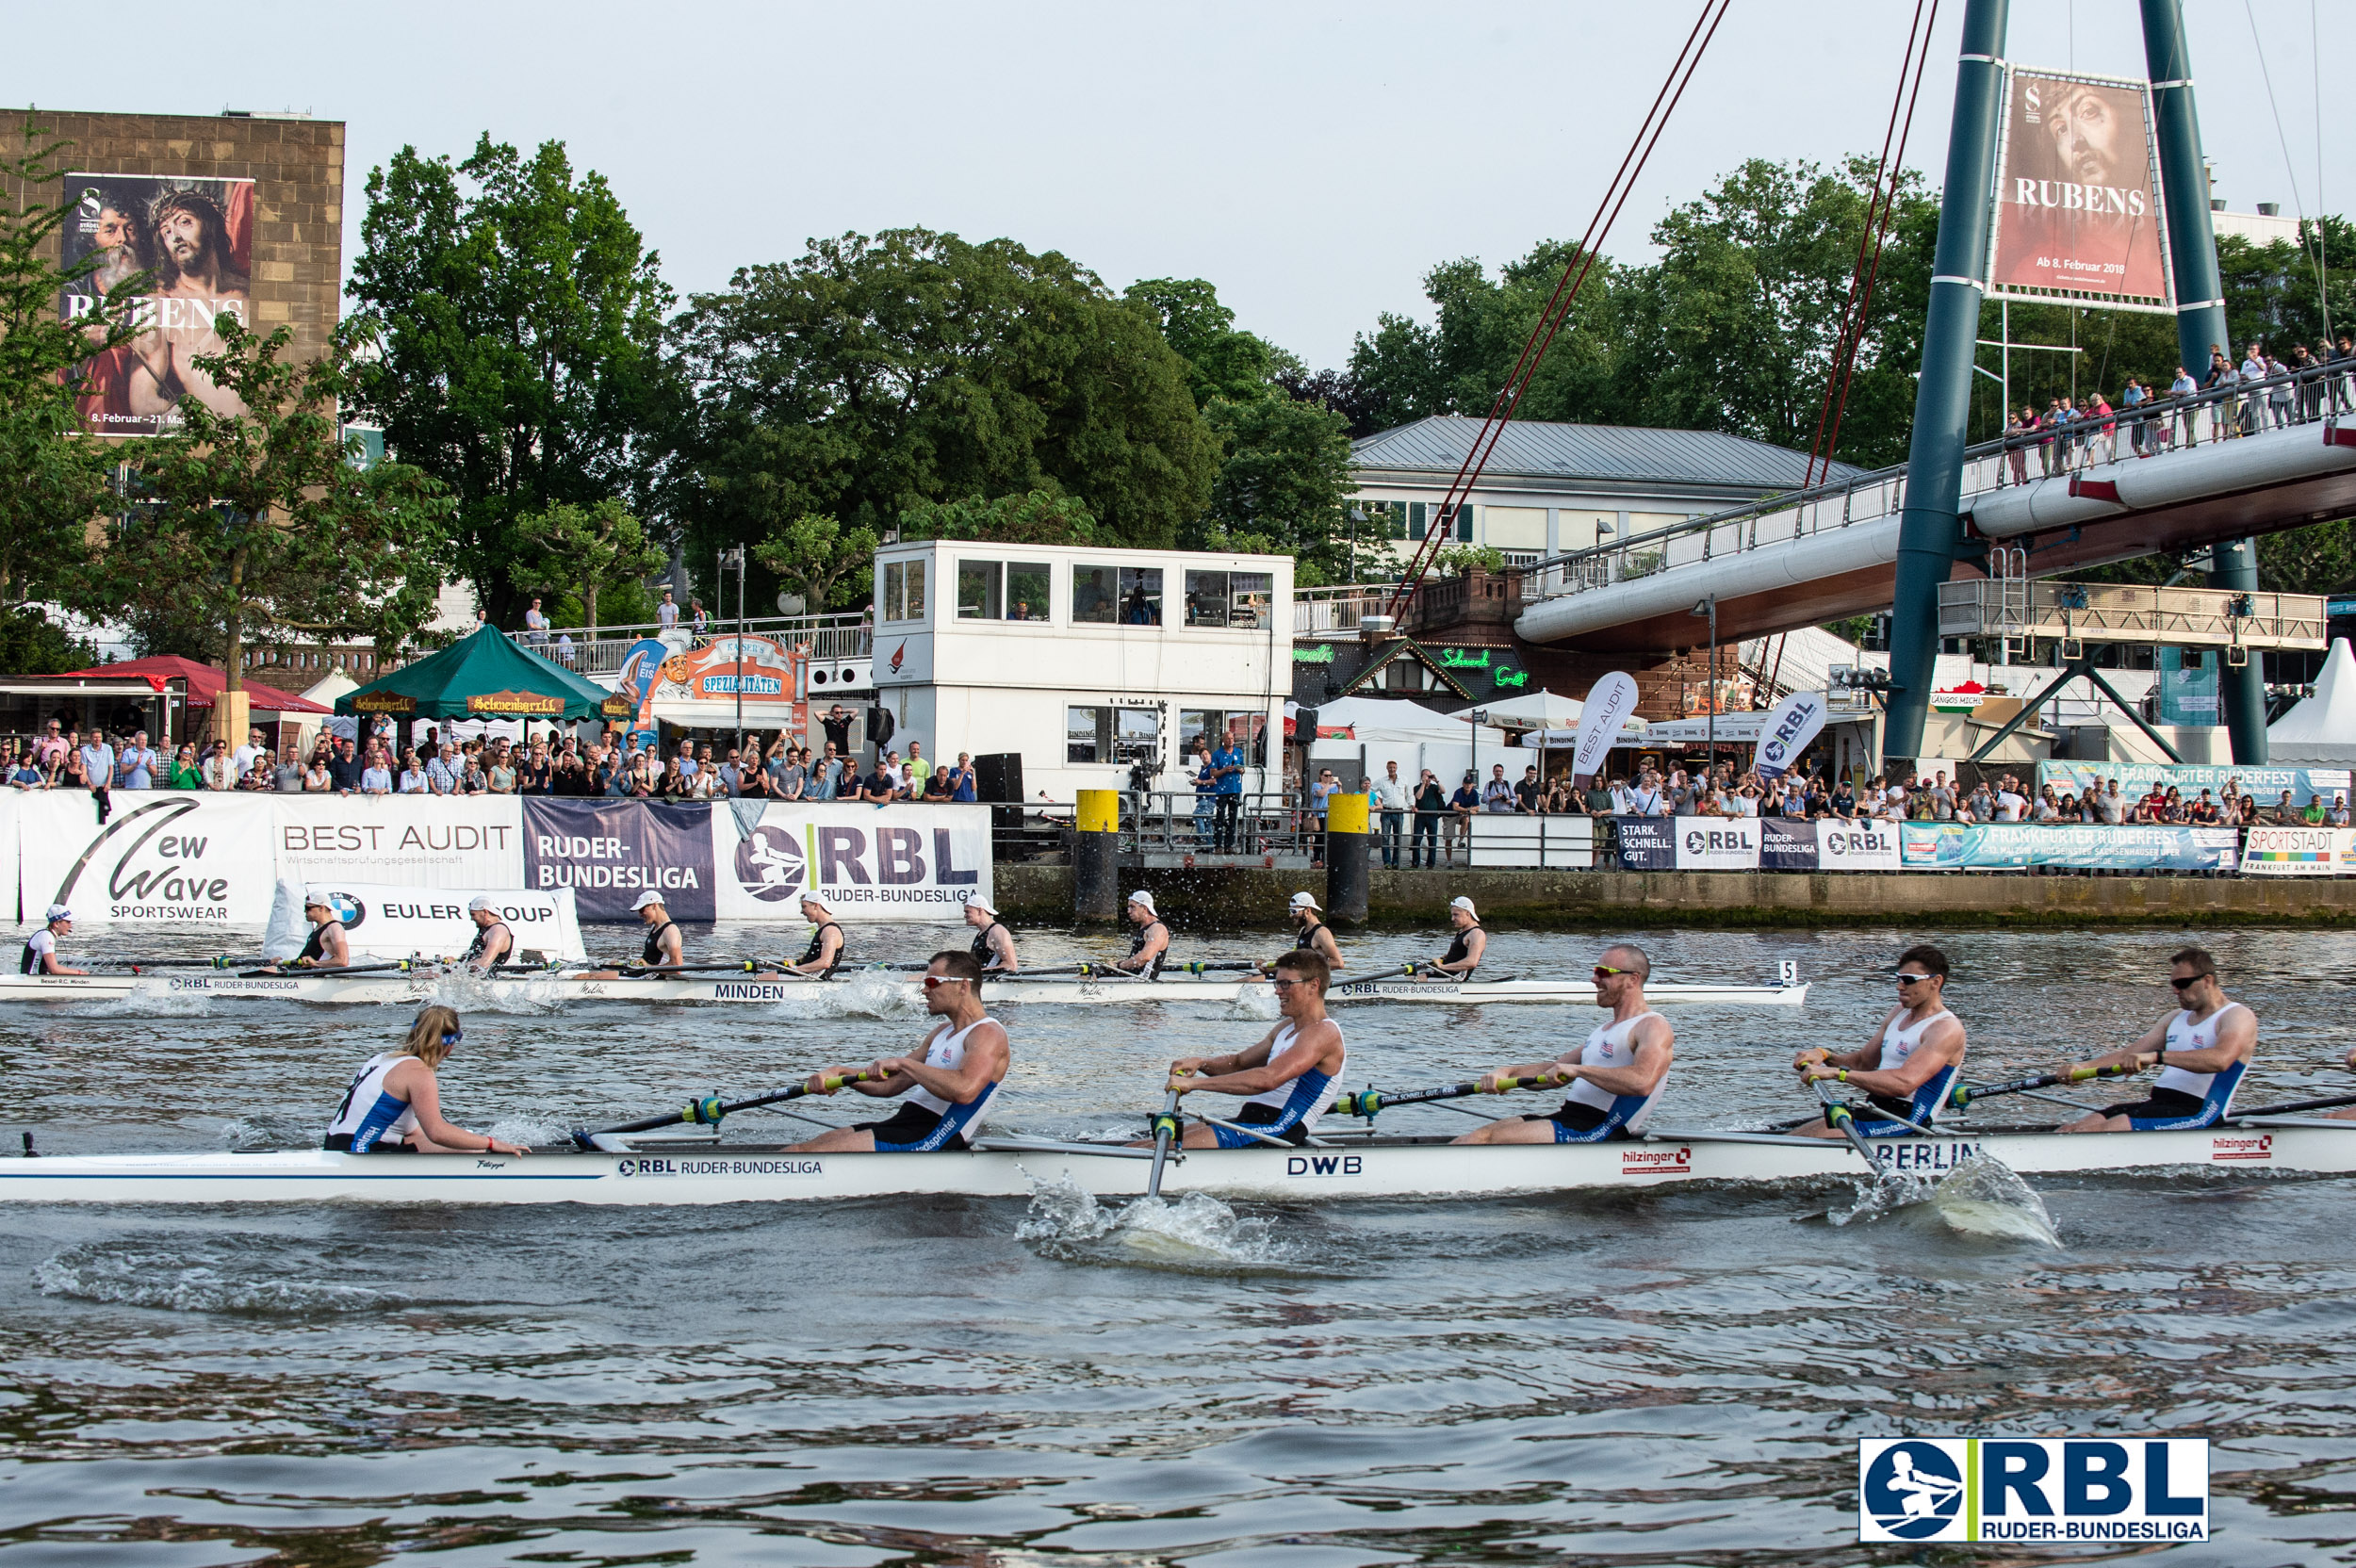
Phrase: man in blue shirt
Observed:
(1228, 762)
(961, 777)
(98, 770)
(1205, 792)
(135, 767)
(440, 778)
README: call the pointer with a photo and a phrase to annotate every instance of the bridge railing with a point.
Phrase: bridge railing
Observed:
(599, 652)
(1337, 612)
(2156, 427)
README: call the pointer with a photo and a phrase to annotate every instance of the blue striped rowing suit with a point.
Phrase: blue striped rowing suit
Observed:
(2183, 1101)
(926, 1122)
(1590, 1115)
(1289, 1110)
(370, 1115)
(1929, 1097)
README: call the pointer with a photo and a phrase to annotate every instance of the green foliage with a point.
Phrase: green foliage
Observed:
(1220, 361)
(1458, 560)
(583, 549)
(32, 644)
(2317, 559)
(870, 376)
(1041, 517)
(53, 482)
(1283, 480)
(258, 527)
(826, 563)
(520, 317)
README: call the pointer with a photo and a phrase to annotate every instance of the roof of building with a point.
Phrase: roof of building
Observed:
(1619, 454)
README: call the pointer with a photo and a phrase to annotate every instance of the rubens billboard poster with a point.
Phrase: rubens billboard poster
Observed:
(193, 241)
(2078, 209)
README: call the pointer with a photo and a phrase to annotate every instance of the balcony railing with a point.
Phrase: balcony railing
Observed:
(598, 654)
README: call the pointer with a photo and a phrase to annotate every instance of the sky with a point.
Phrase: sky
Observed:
(1311, 159)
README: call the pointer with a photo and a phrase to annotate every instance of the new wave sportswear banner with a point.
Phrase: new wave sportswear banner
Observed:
(609, 851)
(888, 863)
(2299, 852)
(164, 858)
(389, 920)
(2010, 846)
(412, 840)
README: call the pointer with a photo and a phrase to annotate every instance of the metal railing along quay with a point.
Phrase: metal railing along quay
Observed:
(599, 652)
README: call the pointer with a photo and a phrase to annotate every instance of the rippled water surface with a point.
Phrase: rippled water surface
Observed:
(1669, 1376)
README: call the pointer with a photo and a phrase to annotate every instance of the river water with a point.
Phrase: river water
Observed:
(1672, 1375)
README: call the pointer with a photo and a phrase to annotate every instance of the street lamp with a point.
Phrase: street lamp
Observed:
(735, 557)
(1709, 606)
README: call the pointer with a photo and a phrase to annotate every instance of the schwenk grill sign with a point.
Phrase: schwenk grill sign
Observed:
(2045, 1490)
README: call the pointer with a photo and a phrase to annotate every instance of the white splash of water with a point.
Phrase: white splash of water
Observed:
(1983, 1197)
(869, 993)
(464, 991)
(156, 999)
(177, 1275)
(1195, 1232)
(1254, 1002)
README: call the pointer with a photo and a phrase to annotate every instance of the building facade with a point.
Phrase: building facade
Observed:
(1088, 663)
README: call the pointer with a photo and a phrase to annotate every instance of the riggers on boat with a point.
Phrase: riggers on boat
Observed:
(695, 1171)
(554, 988)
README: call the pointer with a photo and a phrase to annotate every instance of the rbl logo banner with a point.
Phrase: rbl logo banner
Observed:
(2054, 1491)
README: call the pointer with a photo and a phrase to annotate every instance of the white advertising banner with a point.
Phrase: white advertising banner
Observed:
(393, 921)
(1717, 843)
(9, 812)
(1856, 845)
(163, 857)
(407, 840)
(1787, 731)
(1610, 703)
(2299, 852)
(872, 863)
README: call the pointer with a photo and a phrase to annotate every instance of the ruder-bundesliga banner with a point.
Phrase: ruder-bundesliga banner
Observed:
(2263, 785)
(2299, 852)
(890, 863)
(2011, 846)
(609, 851)
(2051, 1490)
(388, 921)
(2077, 193)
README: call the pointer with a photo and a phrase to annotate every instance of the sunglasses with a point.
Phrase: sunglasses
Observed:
(935, 981)
(1910, 979)
(2187, 982)
(1605, 972)
(453, 1036)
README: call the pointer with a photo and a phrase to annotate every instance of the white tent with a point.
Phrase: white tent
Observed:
(1392, 730)
(2321, 729)
(1538, 709)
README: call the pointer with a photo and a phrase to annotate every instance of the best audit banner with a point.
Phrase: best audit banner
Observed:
(2012, 846)
(411, 840)
(872, 863)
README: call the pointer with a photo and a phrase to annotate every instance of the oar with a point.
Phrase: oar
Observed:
(401, 965)
(1088, 971)
(136, 964)
(1963, 1094)
(2297, 1105)
(733, 966)
(1165, 1133)
(1370, 1101)
(710, 1111)
(1839, 1116)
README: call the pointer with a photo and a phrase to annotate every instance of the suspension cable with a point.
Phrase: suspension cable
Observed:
(2298, 205)
(1575, 274)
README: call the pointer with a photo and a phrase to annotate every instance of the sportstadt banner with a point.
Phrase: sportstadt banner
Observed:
(2078, 195)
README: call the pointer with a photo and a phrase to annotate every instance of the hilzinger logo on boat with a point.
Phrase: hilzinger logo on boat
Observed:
(2246, 1146)
(1676, 1161)
(2048, 1490)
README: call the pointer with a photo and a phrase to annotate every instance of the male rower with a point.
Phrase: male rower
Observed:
(1614, 1078)
(993, 949)
(1314, 936)
(663, 948)
(949, 1084)
(1288, 1078)
(1463, 949)
(326, 947)
(823, 955)
(40, 948)
(494, 943)
(2202, 1050)
(1908, 1068)
(1150, 945)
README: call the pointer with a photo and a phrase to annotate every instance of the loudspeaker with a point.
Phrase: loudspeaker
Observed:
(998, 777)
(1305, 725)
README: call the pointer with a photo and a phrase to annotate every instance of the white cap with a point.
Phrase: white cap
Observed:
(315, 897)
(976, 901)
(812, 895)
(649, 896)
(480, 902)
(58, 912)
(1302, 901)
(1461, 902)
(1142, 896)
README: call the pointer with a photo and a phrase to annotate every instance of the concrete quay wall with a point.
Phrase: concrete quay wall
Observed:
(1249, 896)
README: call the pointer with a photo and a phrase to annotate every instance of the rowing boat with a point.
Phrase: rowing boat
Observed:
(883, 990)
(702, 1170)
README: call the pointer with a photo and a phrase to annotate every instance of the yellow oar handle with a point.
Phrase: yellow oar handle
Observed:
(836, 1082)
(2116, 1069)
(1543, 1080)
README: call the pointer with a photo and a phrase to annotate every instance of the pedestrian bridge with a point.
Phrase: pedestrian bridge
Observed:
(2184, 474)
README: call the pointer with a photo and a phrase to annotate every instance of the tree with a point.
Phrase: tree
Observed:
(1041, 517)
(522, 318)
(32, 644)
(582, 548)
(1221, 362)
(1282, 483)
(872, 375)
(259, 526)
(53, 478)
(829, 562)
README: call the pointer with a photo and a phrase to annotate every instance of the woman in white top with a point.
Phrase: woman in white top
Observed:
(413, 781)
(394, 1105)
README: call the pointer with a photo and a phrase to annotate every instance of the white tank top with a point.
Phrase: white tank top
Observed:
(1309, 1096)
(2185, 1035)
(1609, 1046)
(1898, 1043)
(371, 1114)
(947, 1053)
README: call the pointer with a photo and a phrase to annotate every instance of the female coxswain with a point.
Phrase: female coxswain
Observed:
(394, 1105)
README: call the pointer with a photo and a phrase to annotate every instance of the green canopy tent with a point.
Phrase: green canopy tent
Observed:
(484, 677)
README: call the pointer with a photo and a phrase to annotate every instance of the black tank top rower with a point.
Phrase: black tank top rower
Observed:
(652, 953)
(1136, 945)
(1459, 949)
(482, 943)
(1307, 940)
(982, 952)
(314, 946)
(817, 942)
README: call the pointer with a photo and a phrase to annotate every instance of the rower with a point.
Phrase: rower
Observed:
(823, 955)
(494, 943)
(1463, 949)
(664, 947)
(1314, 935)
(993, 949)
(2350, 1113)
(1615, 1077)
(326, 947)
(394, 1105)
(2202, 1050)
(1908, 1069)
(1150, 945)
(949, 1084)
(40, 948)
(1288, 1078)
